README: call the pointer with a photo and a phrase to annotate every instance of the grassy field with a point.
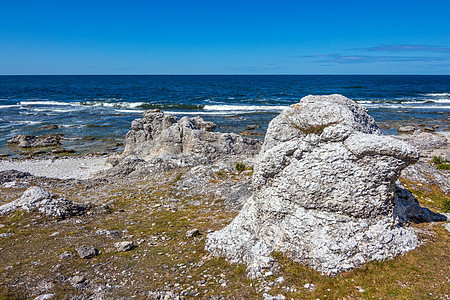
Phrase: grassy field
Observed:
(156, 217)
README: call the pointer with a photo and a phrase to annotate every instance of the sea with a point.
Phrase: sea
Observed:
(94, 113)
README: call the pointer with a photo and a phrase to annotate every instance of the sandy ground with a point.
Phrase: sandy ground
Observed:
(62, 168)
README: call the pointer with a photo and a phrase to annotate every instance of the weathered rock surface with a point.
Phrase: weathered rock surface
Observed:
(86, 252)
(36, 198)
(31, 141)
(159, 136)
(430, 145)
(324, 192)
(124, 246)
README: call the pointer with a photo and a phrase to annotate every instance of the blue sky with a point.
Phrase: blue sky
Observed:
(224, 37)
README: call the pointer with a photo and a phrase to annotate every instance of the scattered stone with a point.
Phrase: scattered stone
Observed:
(192, 233)
(124, 246)
(447, 226)
(36, 198)
(31, 141)
(279, 279)
(45, 297)
(270, 297)
(86, 252)
(65, 255)
(49, 127)
(7, 234)
(406, 129)
(310, 287)
(324, 192)
(165, 295)
(114, 234)
(77, 280)
(9, 184)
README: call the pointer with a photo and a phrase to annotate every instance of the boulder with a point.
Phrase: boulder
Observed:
(158, 135)
(31, 141)
(36, 198)
(324, 192)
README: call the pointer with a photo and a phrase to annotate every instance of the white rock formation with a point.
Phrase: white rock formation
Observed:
(157, 135)
(324, 192)
(36, 198)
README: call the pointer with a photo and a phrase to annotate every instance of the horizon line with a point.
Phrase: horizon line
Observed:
(212, 74)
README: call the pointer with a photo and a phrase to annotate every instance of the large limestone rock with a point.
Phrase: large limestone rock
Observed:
(160, 135)
(38, 199)
(324, 192)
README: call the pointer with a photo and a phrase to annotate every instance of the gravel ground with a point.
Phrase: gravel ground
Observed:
(62, 168)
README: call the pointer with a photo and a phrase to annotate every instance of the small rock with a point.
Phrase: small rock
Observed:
(49, 127)
(6, 234)
(124, 246)
(77, 279)
(45, 297)
(359, 289)
(279, 279)
(447, 226)
(406, 129)
(65, 255)
(270, 297)
(310, 287)
(268, 273)
(192, 233)
(86, 252)
(9, 184)
(250, 127)
(114, 234)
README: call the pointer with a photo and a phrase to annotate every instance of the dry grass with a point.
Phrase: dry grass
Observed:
(157, 217)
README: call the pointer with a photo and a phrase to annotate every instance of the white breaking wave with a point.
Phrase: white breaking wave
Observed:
(26, 122)
(239, 108)
(438, 95)
(8, 106)
(440, 107)
(197, 113)
(441, 100)
(113, 104)
(48, 103)
(130, 110)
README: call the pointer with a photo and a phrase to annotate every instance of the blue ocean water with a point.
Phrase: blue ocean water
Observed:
(94, 112)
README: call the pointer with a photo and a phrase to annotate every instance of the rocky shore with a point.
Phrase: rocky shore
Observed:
(186, 212)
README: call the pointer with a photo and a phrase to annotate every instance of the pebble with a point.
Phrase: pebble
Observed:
(192, 233)
(45, 297)
(77, 279)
